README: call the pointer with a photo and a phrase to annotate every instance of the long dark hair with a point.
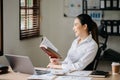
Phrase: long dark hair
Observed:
(92, 26)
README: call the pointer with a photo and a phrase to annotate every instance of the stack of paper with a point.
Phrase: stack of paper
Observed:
(72, 78)
(42, 77)
(79, 73)
(58, 72)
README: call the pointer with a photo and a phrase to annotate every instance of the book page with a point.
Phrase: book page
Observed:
(46, 43)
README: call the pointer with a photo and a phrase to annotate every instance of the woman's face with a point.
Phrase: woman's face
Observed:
(78, 28)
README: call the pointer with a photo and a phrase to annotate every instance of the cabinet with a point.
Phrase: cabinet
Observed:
(98, 9)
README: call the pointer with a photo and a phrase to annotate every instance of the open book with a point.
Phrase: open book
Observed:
(49, 48)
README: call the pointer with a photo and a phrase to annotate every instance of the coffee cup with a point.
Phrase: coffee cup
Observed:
(115, 68)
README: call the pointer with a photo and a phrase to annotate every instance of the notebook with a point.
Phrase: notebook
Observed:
(23, 64)
(99, 74)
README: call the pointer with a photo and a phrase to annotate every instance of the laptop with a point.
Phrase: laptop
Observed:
(23, 64)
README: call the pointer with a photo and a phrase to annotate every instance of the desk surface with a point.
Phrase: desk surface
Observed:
(20, 76)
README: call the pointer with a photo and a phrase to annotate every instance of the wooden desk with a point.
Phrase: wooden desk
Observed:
(20, 76)
(111, 77)
(13, 76)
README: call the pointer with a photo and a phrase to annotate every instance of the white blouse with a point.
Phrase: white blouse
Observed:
(80, 55)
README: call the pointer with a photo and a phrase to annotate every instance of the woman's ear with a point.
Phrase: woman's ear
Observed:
(85, 26)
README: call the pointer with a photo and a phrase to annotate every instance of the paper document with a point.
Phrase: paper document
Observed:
(58, 72)
(72, 78)
(79, 73)
(42, 77)
(66, 73)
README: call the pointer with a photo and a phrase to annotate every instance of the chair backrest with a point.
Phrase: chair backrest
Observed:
(93, 65)
(102, 30)
(103, 33)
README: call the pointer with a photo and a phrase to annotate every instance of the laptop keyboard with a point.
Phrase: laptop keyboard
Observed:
(40, 72)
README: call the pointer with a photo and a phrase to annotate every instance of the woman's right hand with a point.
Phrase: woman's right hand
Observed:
(54, 61)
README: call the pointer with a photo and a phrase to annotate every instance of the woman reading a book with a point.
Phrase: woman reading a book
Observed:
(83, 49)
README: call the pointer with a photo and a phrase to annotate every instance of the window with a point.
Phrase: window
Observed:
(29, 18)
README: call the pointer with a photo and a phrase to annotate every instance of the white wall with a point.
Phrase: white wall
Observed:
(12, 44)
(57, 28)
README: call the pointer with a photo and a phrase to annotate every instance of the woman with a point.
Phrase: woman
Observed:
(83, 49)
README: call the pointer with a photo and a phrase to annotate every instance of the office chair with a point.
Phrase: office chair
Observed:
(93, 65)
(102, 31)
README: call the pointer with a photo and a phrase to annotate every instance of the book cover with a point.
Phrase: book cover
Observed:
(99, 74)
(49, 48)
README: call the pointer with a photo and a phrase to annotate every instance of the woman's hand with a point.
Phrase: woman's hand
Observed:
(54, 61)
(51, 65)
